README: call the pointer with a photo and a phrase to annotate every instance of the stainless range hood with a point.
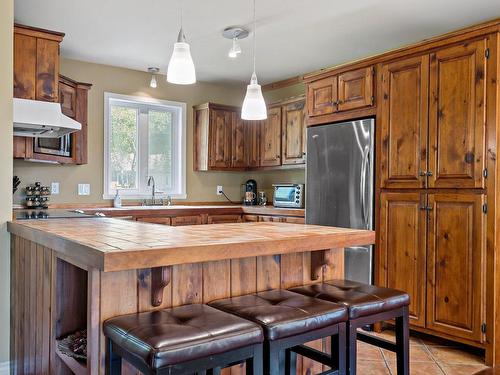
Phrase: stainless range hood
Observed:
(33, 118)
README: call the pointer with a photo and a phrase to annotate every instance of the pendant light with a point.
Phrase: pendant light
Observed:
(153, 83)
(254, 106)
(181, 67)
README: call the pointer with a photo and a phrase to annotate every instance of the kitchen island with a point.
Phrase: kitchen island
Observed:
(69, 275)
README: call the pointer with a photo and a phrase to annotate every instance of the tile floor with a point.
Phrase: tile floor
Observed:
(428, 356)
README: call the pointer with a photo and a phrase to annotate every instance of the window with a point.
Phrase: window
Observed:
(144, 137)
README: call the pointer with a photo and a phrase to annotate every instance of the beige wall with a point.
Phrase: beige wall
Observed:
(201, 186)
(6, 23)
(286, 92)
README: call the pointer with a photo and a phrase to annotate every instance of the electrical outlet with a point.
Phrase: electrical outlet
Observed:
(54, 188)
(83, 189)
(219, 190)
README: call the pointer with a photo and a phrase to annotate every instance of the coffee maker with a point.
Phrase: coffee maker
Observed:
(250, 193)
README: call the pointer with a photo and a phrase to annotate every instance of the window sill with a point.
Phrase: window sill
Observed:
(141, 197)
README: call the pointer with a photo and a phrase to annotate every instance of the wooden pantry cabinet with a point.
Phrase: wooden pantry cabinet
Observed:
(223, 141)
(432, 245)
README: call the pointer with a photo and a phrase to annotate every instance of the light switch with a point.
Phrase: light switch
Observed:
(83, 189)
(54, 188)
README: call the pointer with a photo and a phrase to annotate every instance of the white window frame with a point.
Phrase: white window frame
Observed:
(178, 147)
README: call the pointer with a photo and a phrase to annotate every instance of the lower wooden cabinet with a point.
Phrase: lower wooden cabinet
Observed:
(431, 245)
(178, 221)
(402, 243)
(220, 219)
(283, 219)
(156, 220)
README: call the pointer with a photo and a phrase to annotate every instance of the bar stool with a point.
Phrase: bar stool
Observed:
(367, 304)
(182, 340)
(290, 319)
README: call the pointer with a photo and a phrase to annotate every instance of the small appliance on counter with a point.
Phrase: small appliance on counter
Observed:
(262, 198)
(288, 195)
(250, 193)
(37, 196)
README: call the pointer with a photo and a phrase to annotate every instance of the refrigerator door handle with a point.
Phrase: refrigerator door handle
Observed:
(362, 187)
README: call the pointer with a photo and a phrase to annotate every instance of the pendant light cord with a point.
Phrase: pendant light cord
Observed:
(254, 35)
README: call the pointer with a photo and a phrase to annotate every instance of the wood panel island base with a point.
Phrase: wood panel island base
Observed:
(69, 275)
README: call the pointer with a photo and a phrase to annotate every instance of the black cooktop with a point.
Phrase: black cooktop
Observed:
(48, 214)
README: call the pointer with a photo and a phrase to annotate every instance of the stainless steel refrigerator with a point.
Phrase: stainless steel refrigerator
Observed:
(339, 185)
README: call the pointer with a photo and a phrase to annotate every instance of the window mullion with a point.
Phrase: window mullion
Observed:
(143, 149)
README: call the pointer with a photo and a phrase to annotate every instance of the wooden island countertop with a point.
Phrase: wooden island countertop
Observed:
(118, 245)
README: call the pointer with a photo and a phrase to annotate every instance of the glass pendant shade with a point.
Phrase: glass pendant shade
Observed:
(235, 49)
(254, 106)
(181, 67)
(153, 84)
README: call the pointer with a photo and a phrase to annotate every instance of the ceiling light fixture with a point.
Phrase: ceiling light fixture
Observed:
(181, 67)
(254, 106)
(154, 71)
(234, 33)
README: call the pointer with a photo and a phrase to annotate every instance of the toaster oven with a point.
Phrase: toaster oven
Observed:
(288, 195)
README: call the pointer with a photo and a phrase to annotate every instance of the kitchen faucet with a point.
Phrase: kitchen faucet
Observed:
(151, 182)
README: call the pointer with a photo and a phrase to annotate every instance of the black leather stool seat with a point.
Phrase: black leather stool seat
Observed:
(282, 313)
(180, 334)
(361, 299)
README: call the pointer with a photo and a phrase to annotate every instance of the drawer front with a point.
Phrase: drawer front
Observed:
(187, 220)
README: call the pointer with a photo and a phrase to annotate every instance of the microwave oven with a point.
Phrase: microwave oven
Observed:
(288, 195)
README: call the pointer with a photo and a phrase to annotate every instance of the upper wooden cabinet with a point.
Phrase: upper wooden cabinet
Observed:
(293, 144)
(346, 91)
(457, 116)
(403, 121)
(355, 89)
(36, 77)
(322, 97)
(252, 143)
(270, 135)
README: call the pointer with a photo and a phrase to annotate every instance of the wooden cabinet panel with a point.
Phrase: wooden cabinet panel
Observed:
(294, 133)
(220, 219)
(294, 220)
(457, 116)
(322, 97)
(220, 138)
(270, 148)
(455, 265)
(251, 218)
(238, 158)
(402, 248)
(47, 70)
(252, 143)
(404, 124)
(67, 98)
(201, 149)
(156, 220)
(24, 66)
(355, 89)
(187, 220)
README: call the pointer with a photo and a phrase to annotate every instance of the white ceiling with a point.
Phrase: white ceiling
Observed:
(293, 36)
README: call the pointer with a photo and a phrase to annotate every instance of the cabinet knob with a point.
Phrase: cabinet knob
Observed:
(422, 173)
(429, 173)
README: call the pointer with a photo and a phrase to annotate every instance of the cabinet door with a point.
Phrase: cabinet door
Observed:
(220, 138)
(402, 248)
(219, 219)
(252, 142)
(294, 133)
(455, 265)
(47, 70)
(238, 155)
(155, 220)
(178, 221)
(457, 116)
(67, 98)
(24, 66)
(270, 148)
(355, 89)
(322, 97)
(404, 125)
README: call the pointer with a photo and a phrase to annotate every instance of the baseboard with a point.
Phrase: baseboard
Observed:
(4, 368)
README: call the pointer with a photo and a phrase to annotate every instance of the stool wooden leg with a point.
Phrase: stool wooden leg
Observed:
(113, 361)
(290, 362)
(351, 347)
(403, 343)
